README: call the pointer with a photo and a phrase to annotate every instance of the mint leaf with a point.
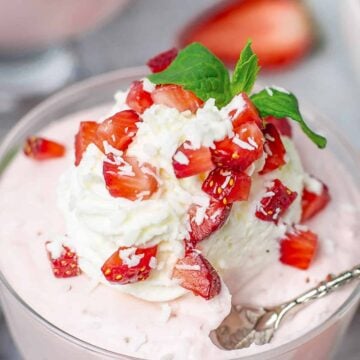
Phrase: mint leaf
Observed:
(280, 104)
(198, 70)
(245, 72)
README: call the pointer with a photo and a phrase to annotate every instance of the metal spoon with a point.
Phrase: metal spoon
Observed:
(248, 325)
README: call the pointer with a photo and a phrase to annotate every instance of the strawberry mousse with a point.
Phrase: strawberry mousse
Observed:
(147, 219)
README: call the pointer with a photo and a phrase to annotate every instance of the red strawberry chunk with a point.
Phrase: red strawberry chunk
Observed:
(213, 219)
(246, 114)
(128, 265)
(188, 162)
(277, 200)
(39, 148)
(175, 96)
(125, 177)
(274, 149)
(227, 186)
(197, 275)
(313, 203)
(298, 248)
(85, 136)
(119, 129)
(281, 30)
(138, 99)
(66, 265)
(161, 61)
(240, 151)
(282, 125)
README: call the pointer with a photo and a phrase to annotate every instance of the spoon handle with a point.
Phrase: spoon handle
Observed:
(327, 286)
(323, 289)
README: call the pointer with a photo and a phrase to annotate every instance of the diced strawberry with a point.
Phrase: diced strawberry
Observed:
(214, 218)
(39, 148)
(276, 201)
(274, 150)
(247, 114)
(282, 125)
(281, 30)
(66, 265)
(240, 151)
(85, 136)
(188, 162)
(175, 96)
(313, 203)
(128, 265)
(138, 99)
(119, 129)
(197, 275)
(161, 61)
(298, 248)
(125, 177)
(227, 185)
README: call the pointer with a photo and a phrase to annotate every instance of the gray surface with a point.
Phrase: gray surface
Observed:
(325, 79)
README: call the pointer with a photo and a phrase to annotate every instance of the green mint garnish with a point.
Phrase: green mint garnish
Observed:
(245, 72)
(273, 102)
(198, 70)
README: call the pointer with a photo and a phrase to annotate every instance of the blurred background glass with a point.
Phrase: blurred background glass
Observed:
(45, 44)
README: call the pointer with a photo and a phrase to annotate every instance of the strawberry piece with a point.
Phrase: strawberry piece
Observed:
(240, 151)
(125, 177)
(226, 29)
(39, 148)
(282, 125)
(247, 114)
(276, 202)
(227, 185)
(197, 275)
(188, 162)
(128, 265)
(298, 248)
(175, 96)
(119, 129)
(138, 99)
(85, 136)
(161, 61)
(66, 265)
(313, 203)
(274, 149)
(215, 217)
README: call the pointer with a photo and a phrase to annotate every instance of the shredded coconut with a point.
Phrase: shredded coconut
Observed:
(181, 158)
(110, 149)
(278, 88)
(269, 137)
(153, 262)
(269, 91)
(188, 267)
(243, 144)
(129, 257)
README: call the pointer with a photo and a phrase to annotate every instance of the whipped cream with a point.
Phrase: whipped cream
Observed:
(98, 224)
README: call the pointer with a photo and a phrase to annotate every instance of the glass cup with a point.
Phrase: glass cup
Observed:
(36, 338)
(34, 58)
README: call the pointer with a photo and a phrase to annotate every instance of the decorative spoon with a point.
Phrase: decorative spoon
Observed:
(249, 325)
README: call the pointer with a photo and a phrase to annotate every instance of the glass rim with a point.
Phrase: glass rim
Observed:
(141, 71)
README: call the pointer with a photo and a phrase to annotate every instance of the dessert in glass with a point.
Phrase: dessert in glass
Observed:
(129, 229)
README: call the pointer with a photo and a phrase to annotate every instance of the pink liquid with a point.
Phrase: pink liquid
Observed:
(176, 330)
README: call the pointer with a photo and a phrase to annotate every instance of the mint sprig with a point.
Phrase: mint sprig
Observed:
(273, 102)
(198, 70)
(245, 72)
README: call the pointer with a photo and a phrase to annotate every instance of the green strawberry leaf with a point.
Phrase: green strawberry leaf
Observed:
(198, 70)
(245, 72)
(273, 102)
